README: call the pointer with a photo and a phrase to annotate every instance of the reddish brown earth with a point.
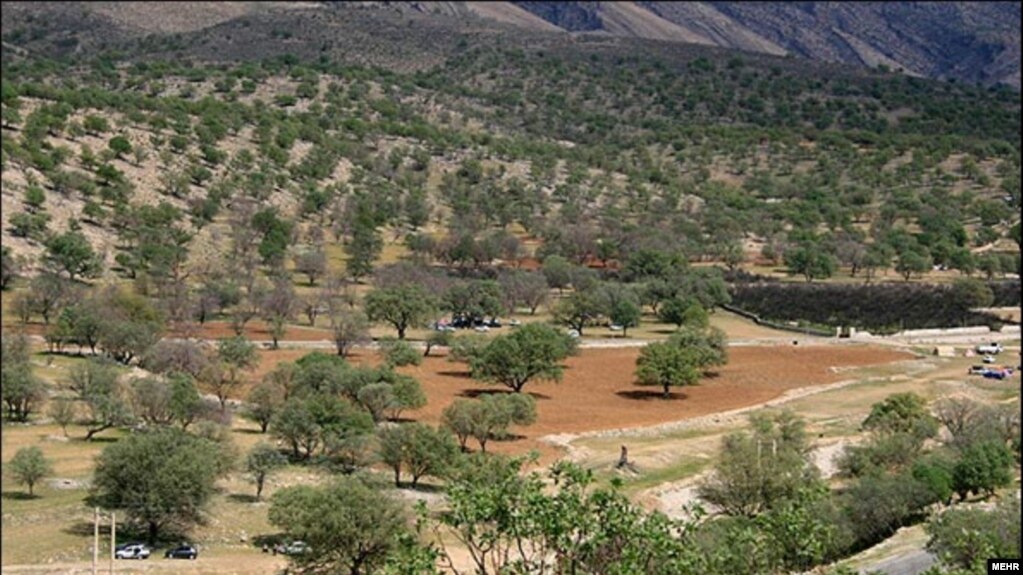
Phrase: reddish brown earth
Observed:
(598, 392)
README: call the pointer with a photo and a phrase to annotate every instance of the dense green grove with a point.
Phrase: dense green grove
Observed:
(878, 308)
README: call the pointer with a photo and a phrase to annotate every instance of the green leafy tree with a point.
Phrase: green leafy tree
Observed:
(579, 309)
(185, 402)
(28, 467)
(488, 417)
(533, 352)
(150, 400)
(503, 517)
(63, 412)
(666, 365)
(626, 313)
(876, 506)
(402, 307)
(276, 235)
(810, 261)
(982, 468)
(437, 339)
(476, 299)
(364, 249)
(72, 253)
(902, 413)
(420, 449)
(350, 527)
(966, 538)
(95, 125)
(759, 470)
(261, 461)
(277, 307)
(312, 264)
(682, 311)
(349, 328)
(162, 479)
(399, 353)
(264, 401)
(681, 360)
(935, 471)
(899, 425)
(9, 268)
(913, 260)
(21, 390)
(235, 355)
(558, 272)
(97, 384)
(120, 146)
(319, 423)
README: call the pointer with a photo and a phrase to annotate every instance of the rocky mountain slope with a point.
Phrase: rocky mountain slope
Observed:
(971, 41)
(976, 42)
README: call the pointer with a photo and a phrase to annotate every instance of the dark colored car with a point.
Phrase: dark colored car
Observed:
(182, 552)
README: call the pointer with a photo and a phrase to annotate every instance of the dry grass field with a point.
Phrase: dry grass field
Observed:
(586, 417)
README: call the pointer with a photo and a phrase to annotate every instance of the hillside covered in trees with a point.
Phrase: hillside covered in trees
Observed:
(164, 186)
(593, 155)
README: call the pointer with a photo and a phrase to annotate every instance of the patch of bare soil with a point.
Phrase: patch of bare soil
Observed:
(598, 391)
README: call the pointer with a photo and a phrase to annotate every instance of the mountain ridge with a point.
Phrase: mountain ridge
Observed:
(974, 42)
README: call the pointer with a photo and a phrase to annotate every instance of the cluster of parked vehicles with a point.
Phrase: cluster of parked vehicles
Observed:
(476, 323)
(988, 370)
(141, 551)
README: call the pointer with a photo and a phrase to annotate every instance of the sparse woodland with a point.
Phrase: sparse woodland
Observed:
(146, 198)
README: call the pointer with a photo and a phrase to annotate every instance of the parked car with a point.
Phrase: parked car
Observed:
(514, 322)
(182, 552)
(977, 370)
(988, 359)
(129, 544)
(573, 333)
(992, 348)
(293, 548)
(133, 551)
(994, 374)
(482, 328)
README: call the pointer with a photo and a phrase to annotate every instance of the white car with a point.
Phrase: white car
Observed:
(482, 328)
(988, 359)
(993, 348)
(573, 333)
(135, 551)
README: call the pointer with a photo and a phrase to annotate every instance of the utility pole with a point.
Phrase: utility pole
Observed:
(95, 540)
(113, 539)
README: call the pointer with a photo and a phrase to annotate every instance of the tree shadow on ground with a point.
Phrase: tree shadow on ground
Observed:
(455, 373)
(406, 484)
(242, 498)
(95, 439)
(18, 496)
(84, 528)
(479, 392)
(650, 394)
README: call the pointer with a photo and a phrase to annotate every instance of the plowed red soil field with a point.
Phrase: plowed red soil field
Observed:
(598, 390)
